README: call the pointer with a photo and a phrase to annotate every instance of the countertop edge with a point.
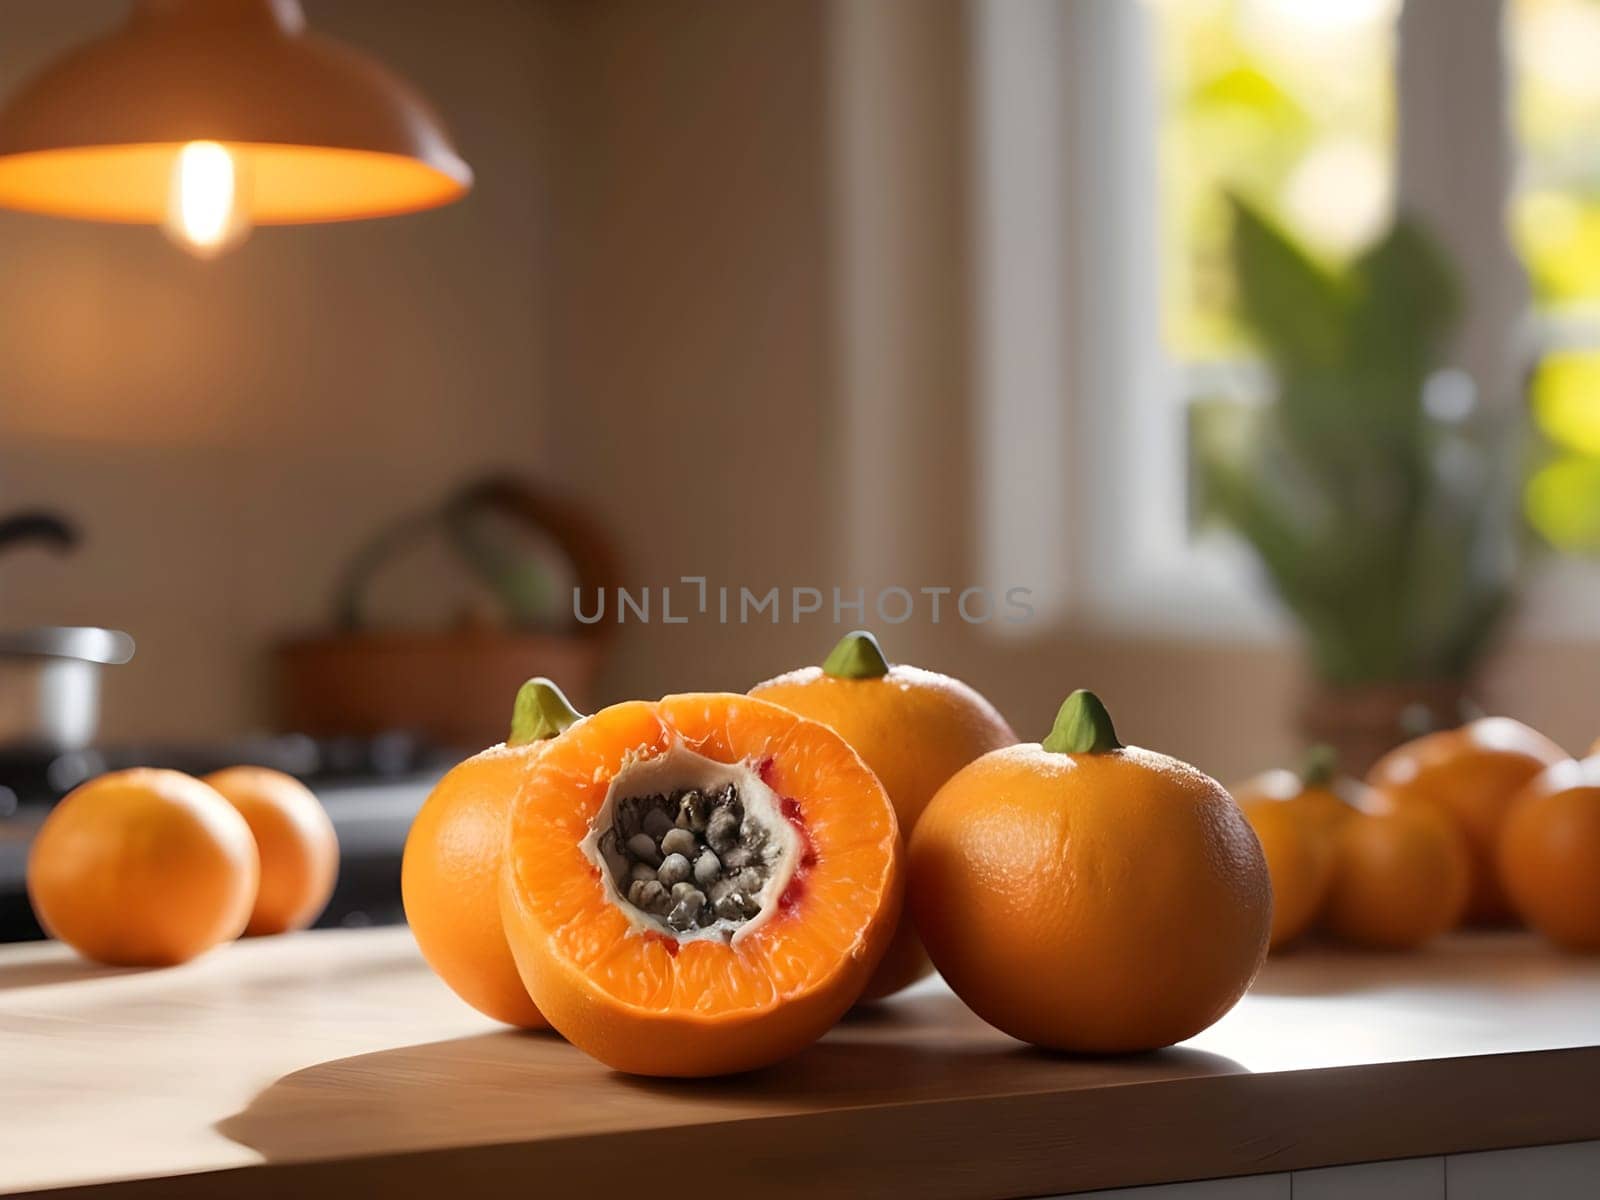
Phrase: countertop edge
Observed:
(1026, 1144)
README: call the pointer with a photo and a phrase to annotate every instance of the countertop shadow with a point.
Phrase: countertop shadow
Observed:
(512, 1087)
(15, 976)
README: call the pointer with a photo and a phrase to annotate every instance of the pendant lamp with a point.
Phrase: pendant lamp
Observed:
(207, 117)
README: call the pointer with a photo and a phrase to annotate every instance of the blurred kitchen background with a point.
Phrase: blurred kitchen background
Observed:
(1102, 298)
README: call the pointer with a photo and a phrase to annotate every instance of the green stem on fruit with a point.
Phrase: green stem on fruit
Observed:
(1320, 766)
(857, 656)
(1083, 726)
(541, 712)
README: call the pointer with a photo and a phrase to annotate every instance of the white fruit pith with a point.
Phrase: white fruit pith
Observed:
(691, 848)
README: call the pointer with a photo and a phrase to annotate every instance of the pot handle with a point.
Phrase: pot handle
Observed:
(45, 528)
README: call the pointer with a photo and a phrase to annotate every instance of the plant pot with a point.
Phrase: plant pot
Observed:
(1364, 722)
(453, 688)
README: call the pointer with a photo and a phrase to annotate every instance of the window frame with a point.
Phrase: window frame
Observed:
(1136, 566)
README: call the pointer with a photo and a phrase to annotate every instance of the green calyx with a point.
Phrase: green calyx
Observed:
(857, 656)
(1320, 766)
(541, 712)
(1083, 726)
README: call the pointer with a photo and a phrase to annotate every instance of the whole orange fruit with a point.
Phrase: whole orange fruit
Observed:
(1550, 854)
(913, 728)
(1470, 775)
(1088, 896)
(1400, 878)
(1296, 816)
(450, 873)
(1299, 858)
(1317, 791)
(143, 868)
(298, 847)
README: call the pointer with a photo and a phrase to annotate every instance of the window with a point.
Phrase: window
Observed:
(1555, 46)
(1288, 102)
(1158, 111)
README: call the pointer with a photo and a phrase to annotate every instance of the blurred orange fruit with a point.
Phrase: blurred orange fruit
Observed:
(1550, 854)
(143, 868)
(1400, 878)
(913, 728)
(450, 874)
(1088, 896)
(295, 840)
(1317, 791)
(1470, 775)
(1296, 816)
(1299, 856)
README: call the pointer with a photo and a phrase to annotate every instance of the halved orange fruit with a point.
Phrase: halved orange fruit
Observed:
(698, 886)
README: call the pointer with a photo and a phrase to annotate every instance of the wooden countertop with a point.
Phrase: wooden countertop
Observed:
(335, 1063)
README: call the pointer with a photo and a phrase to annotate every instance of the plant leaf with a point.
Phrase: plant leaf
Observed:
(1297, 308)
(1407, 300)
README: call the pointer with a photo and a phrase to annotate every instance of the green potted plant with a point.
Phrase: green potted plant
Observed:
(1378, 496)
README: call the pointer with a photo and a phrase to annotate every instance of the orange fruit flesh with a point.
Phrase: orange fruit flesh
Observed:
(642, 1000)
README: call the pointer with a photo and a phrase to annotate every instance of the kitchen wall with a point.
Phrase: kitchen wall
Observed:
(227, 432)
(640, 301)
(708, 257)
(690, 388)
(631, 304)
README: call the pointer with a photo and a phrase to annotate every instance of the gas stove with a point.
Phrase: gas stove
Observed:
(371, 788)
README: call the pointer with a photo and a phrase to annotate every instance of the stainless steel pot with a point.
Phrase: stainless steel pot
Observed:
(50, 684)
(50, 676)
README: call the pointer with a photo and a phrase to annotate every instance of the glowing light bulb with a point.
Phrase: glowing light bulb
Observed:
(208, 211)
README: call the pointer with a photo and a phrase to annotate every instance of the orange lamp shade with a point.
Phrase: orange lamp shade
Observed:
(313, 130)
